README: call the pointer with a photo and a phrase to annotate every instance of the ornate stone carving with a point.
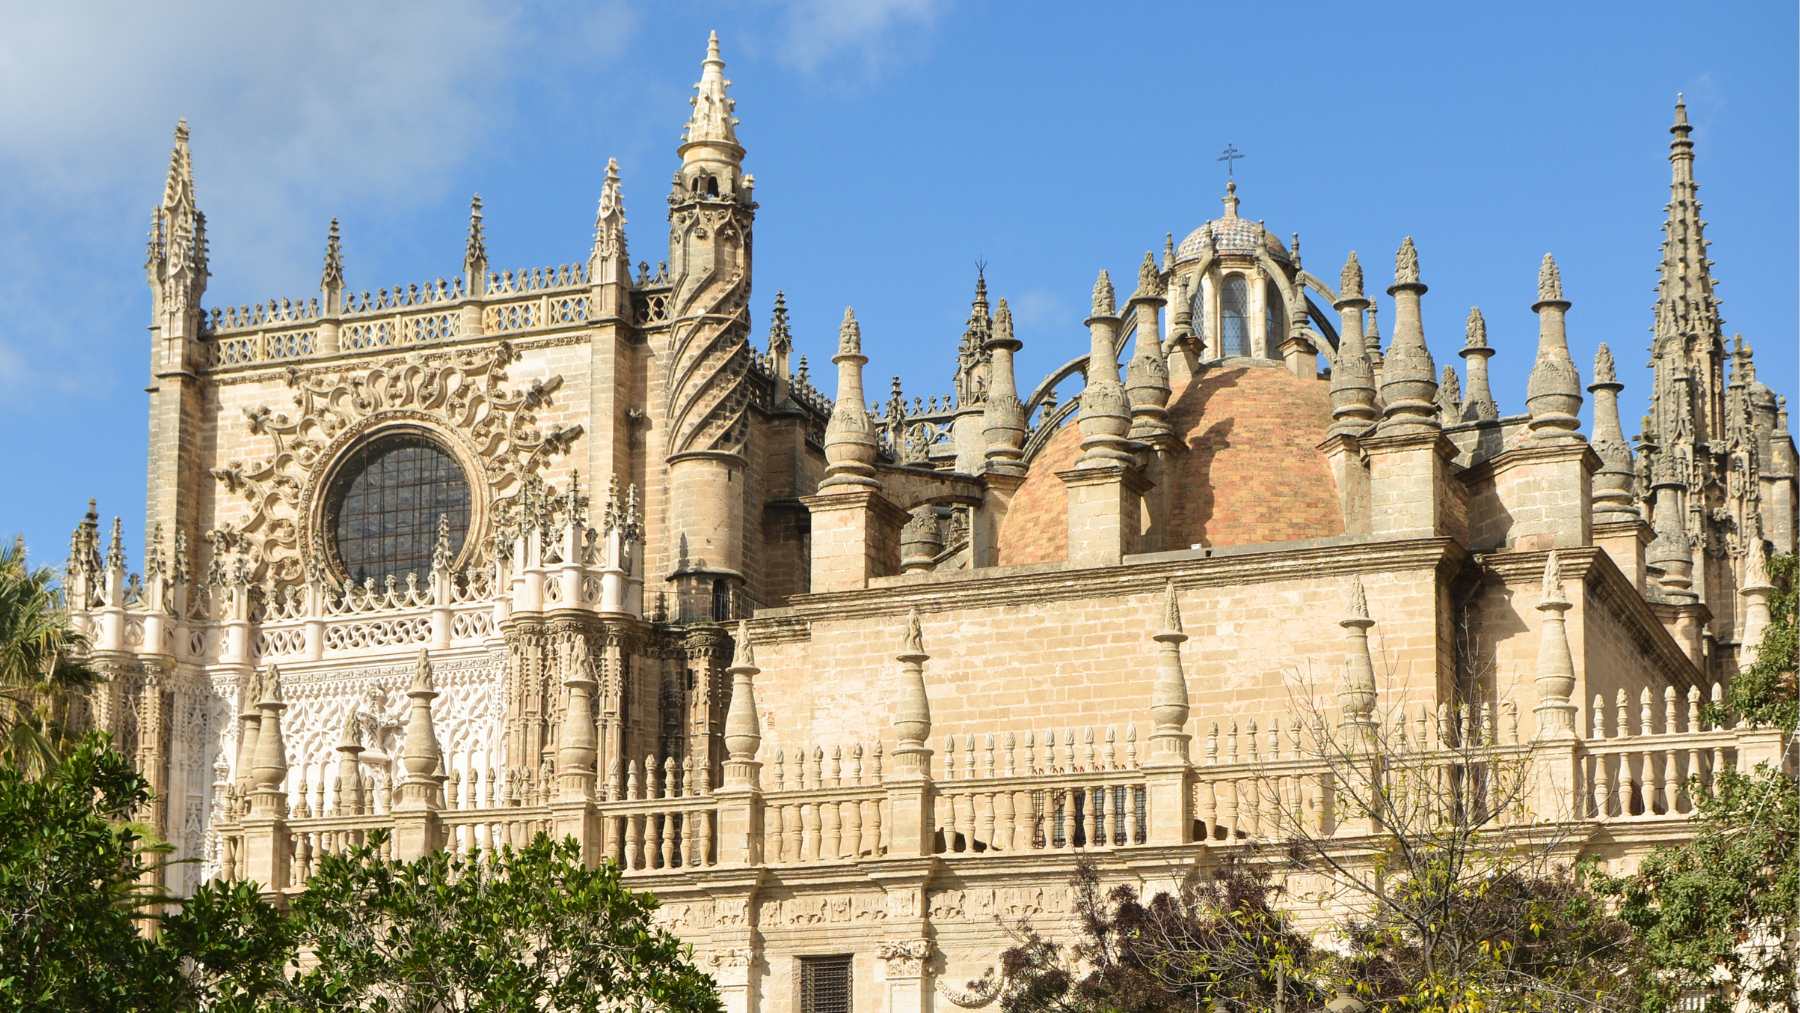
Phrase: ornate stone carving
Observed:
(978, 992)
(905, 958)
(459, 396)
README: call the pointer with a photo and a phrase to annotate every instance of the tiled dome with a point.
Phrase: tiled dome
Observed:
(1234, 235)
(1252, 473)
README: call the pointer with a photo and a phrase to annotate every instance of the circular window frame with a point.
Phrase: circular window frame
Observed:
(323, 547)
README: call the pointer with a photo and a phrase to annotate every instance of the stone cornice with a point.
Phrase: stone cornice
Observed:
(986, 588)
(1604, 583)
(1528, 454)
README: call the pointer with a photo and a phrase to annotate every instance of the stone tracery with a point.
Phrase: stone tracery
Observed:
(461, 395)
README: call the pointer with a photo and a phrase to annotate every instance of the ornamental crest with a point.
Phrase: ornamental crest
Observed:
(459, 397)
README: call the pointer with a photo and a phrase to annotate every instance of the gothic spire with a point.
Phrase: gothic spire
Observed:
(1687, 324)
(177, 258)
(609, 224)
(780, 338)
(332, 277)
(712, 120)
(475, 249)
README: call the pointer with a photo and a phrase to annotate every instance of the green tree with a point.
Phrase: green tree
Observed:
(1717, 914)
(73, 900)
(527, 929)
(1764, 692)
(40, 666)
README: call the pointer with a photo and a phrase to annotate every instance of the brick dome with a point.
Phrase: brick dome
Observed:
(1252, 472)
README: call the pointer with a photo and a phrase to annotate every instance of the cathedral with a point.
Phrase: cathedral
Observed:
(849, 681)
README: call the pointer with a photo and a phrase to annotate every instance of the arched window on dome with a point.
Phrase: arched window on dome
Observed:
(1234, 317)
(1275, 324)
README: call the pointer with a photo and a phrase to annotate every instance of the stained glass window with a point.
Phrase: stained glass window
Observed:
(384, 507)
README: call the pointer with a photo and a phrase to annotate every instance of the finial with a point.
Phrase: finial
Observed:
(849, 334)
(743, 655)
(351, 737)
(1003, 322)
(779, 336)
(1406, 263)
(1359, 599)
(915, 634)
(1475, 330)
(1681, 117)
(712, 44)
(1149, 280)
(475, 252)
(1549, 280)
(1168, 260)
(1552, 589)
(421, 682)
(115, 548)
(1104, 299)
(1231, 198)
(1603, 365)
(1171, 608)
(1351, 280)
(270, 688)
(333, 276)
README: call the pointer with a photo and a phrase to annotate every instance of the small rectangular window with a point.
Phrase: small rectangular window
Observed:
(825, 985)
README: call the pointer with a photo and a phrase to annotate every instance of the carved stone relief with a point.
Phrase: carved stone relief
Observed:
(459, 397)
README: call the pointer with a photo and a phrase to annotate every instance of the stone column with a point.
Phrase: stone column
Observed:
(1555, 746)
(1167, 771)
(420, 797)
(266, 857)
(577, 751)
(740, 797)
(912, 830)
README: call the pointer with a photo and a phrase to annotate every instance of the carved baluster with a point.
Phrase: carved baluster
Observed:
(1025, 817)
(773, 835)
(794, 826)
(830, 832)
(850, 819)
(634, 858)
(872, 820)
(809, 844)
(1000, 836)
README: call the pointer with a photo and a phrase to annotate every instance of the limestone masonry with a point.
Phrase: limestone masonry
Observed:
(565, 549)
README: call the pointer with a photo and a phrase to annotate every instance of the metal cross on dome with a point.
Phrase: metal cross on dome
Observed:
(1228, 156)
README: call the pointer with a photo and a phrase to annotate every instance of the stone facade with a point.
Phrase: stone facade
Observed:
(839, 678)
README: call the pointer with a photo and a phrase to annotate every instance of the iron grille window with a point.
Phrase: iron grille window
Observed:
(824, 985)
(384, 507)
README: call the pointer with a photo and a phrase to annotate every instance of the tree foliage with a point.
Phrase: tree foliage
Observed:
(1718, 914)
(73, 898)
(40, 666)
(1764, 692)
(1217, 943)
(526, 929)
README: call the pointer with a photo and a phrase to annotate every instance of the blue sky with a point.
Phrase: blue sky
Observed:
(895, 143)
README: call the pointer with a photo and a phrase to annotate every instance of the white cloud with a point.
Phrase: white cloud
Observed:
(296, 111)
(819, 31)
